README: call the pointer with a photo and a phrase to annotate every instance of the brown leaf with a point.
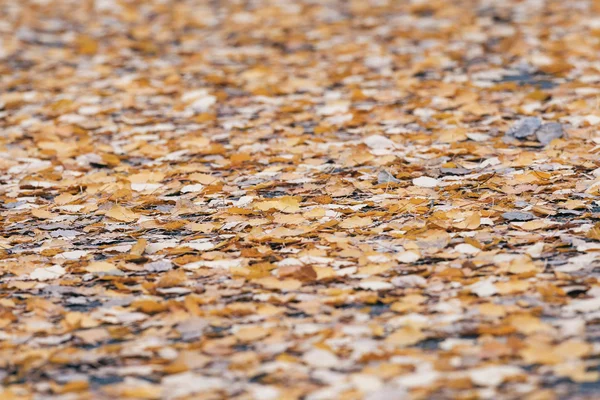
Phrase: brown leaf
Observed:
(304, 273)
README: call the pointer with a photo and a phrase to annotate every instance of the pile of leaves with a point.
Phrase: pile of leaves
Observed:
(365, 199)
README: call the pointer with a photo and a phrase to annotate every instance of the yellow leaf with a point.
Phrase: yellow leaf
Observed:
(512, 287)
(172, 279)
(251, 333)
(64, 198)
(289, 219)
(492, 310)
(139, 248)
(529, 324)
(200, 227)
(539, 353)
(149, 306)
(594, 233)
(271, 282)
(325, 273)
(204, 179)
(100, 267)
(86, 45)
(73, 386)
(471, 222)
(534, 225)
(356, 222)
(315, 213)
(522, 265)
(577, 372)
(406, 336)
(573, 349)
(146, 177)
(121, 213)
(147, 392)
(42, 214)
(452, 136)
(287, 204)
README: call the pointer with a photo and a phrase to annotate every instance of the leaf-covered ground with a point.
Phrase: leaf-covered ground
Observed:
(299, 199)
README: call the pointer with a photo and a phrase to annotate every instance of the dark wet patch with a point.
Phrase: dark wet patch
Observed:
(429, 344)
(84, 306)
(273, 194)
(525, 78)
(105, 380)
(378, 309)
(589, 388)
(296, 314)
(258, 378)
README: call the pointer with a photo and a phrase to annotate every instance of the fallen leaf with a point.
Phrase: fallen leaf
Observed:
(356, 222)
(426, 182)
(122, 214)
(47, 273)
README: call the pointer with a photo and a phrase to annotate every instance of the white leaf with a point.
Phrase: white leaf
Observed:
(418, 379)
(197, 245)
(47, 273)
(483, 288)
(379, 142)
(409, 281)
(201, 100)
(156, 247)
(375, 285)
(426, 182)
(187, 383)
(142, 187)
(320, 358)
(465, 248)
(192, 188)
(407, 257)
(493, 375)
(585, 305)
(71, 255)
(218, 264)
(535, 251)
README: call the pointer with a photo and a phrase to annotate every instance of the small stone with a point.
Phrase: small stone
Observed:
(548, 132)
(518, 216)
(524, 127)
